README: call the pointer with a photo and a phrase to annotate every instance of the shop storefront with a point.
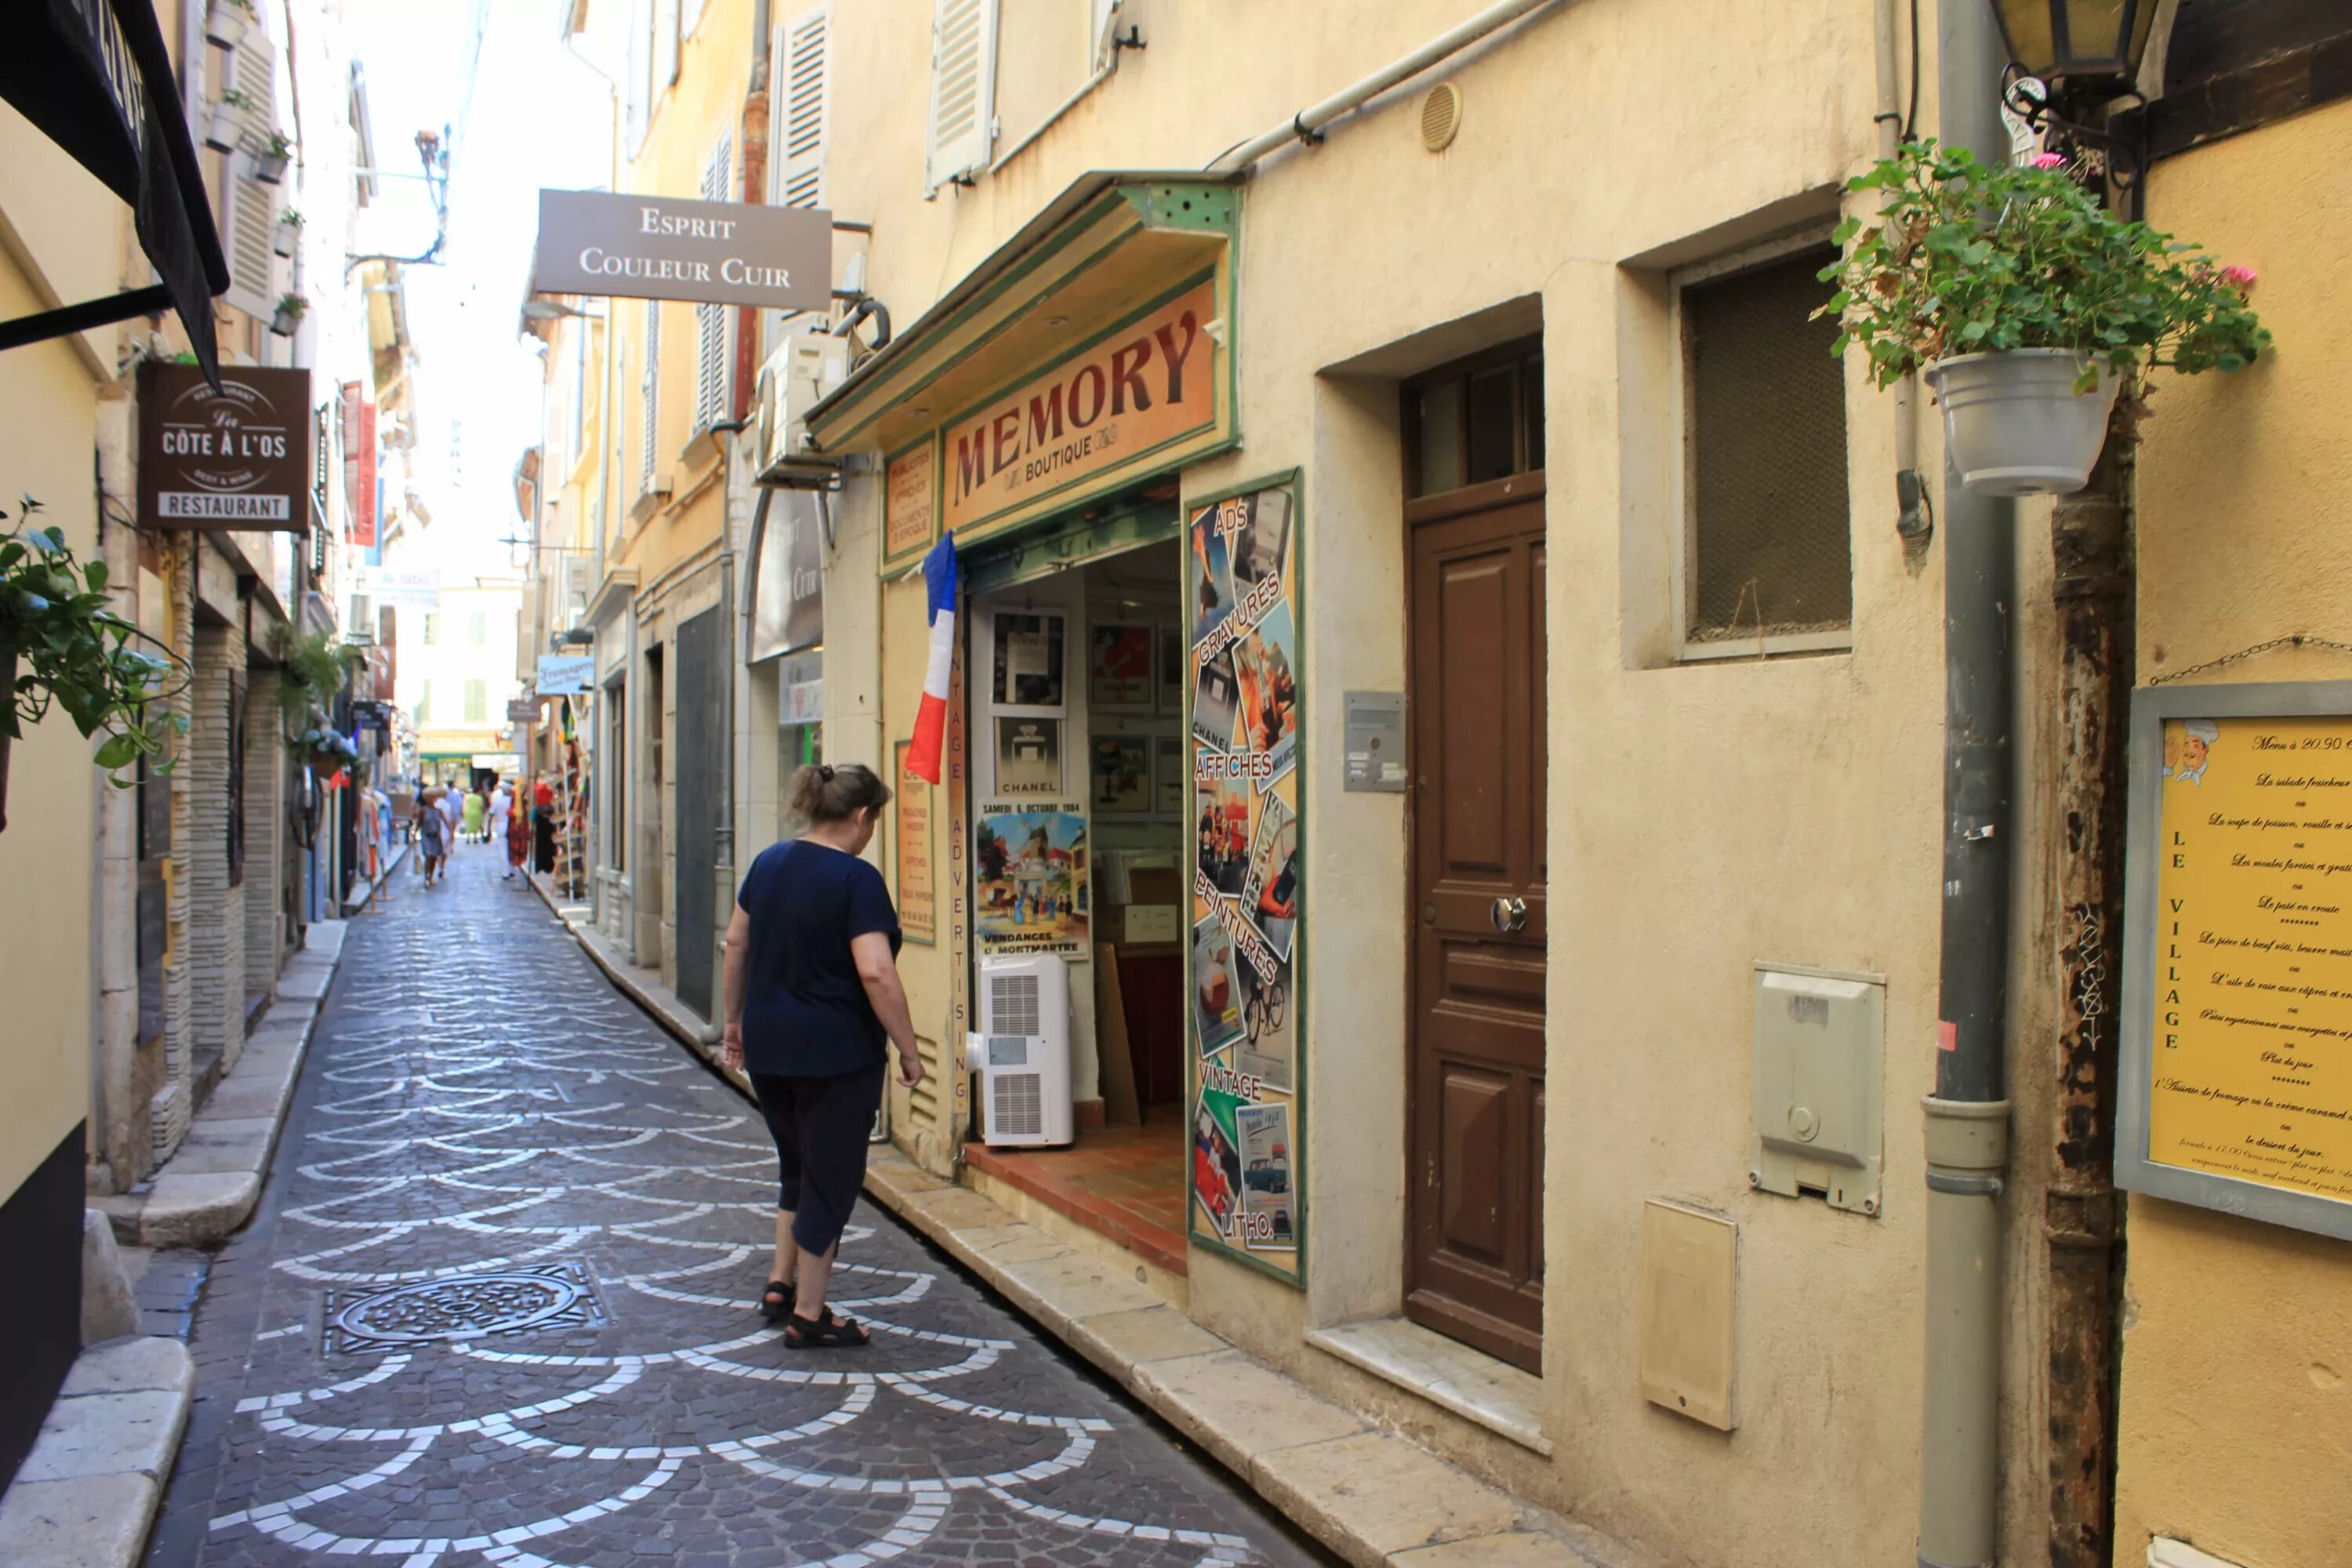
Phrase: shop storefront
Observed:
(1119, 806)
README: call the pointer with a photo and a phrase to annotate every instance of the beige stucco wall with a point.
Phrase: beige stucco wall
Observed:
(47, 429)
(2236, 1407)
(1702, 817)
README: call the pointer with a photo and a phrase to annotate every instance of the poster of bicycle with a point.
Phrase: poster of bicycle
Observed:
(1242, 685)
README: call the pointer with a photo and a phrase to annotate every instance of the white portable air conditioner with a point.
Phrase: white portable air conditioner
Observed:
(1023, 1051)
(806, 365)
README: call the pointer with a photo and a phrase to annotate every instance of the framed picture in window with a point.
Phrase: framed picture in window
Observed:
(1028, 661)
(1028, 756)
(1121, 669)
(1122, 775)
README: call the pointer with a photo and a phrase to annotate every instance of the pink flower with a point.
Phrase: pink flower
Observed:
(2244, 276)
(2049, 159)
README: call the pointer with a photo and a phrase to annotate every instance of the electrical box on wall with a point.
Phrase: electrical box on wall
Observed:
(1821, 1050)
(1690, 1268)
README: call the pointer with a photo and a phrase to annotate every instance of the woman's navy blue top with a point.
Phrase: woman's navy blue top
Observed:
(806, 1012)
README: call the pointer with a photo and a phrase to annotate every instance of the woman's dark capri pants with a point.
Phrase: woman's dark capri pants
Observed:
(820, 1126)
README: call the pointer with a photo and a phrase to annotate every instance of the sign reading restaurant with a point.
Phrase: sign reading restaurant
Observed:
(657, 247)
(233, 458)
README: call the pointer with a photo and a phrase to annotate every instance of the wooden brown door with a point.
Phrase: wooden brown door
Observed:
(1475, 1248)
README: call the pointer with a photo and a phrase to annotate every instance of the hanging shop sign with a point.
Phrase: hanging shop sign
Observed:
(659, 247)
(409, 590)
(1140, 390)
(522, 710)
(566, 674)
(359, 468)
(1246, 945)
(917, 890)
(788, 582)
(2237, 1072)
(227, 458)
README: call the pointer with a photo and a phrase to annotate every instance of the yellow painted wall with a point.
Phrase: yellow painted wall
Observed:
(2237, 1373)
(47, 429)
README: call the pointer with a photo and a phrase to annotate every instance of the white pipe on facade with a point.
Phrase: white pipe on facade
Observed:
(1304, 125)
(1893, 125)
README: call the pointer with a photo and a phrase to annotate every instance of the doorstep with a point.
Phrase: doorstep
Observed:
(1501, 1397)
(87, 1494)
(1080, 1184)
(1370, 1496)
(212, 1182)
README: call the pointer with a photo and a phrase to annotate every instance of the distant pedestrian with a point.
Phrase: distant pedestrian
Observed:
(542, 816)
(518, 842)
(813, 992)
(478, 815)
(501, 821)
(453, 815)
(431, 834)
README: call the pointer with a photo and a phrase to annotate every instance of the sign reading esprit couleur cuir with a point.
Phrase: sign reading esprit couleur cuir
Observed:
(1134, 391)
(238, 457)
(662, 248)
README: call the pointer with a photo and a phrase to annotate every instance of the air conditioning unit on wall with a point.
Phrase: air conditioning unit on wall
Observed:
(804, 367)
(1023, 1052)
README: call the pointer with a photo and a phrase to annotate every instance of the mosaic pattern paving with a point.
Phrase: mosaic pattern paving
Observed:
(496, 1309)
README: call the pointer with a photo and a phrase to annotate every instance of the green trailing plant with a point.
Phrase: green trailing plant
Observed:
(290, 218)
(293, 305)
(1964, 258)
(73, 653)
(236, 98)
(280, 144)
(310, 670)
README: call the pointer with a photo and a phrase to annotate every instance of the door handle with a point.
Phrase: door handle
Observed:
(1509, 915)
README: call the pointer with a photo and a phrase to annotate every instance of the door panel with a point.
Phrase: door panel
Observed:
(1477, 705)
(701, 741)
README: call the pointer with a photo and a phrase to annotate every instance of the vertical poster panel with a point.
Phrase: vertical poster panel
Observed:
(1241, 675)
(917, 890)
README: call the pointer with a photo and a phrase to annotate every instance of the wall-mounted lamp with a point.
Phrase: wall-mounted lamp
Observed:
(2078, 43)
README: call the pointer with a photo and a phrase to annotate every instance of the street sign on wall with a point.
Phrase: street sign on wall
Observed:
(231, 458)
(660, 248)
(524, 711)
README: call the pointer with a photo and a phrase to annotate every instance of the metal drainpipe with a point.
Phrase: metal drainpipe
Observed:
(1968, 1116)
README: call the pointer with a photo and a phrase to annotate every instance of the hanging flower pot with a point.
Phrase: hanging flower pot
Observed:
(290, 310)
(269, 164)
(2029, 308)
(226, 20)
(289, 232)
(2014, 423)
(220, 130)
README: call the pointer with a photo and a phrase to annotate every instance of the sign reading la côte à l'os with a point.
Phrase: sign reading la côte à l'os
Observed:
(233, 459)
(660, 248)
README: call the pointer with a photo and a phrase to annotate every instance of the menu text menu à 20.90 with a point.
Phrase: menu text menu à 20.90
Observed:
(2252, 1022)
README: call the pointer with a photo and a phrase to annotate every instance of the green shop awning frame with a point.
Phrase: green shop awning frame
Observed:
(93, 76)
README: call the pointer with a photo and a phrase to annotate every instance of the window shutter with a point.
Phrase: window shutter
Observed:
(664, 44)
(249, 213)
(710, 320)
(964, 89)
(650, 384)
(640, 69)
(796, 97)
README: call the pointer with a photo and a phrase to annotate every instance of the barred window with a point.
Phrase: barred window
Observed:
(1767, 559)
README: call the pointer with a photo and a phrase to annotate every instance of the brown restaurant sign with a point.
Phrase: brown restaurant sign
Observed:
(659, 248)
(231, 459)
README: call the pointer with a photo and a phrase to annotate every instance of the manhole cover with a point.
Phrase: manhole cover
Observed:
(463, 1307)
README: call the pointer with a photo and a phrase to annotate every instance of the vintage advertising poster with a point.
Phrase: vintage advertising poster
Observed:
(1030, 864)
(917, 892)
(1119, 669)
(1122, 775)
(1029, 756)
(2251, 1037)
(1026, 655)
(1243, 673)
(907, 497)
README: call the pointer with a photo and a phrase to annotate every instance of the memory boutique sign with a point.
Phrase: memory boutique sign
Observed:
(233, 458)
(1137, 390)
(661, 248)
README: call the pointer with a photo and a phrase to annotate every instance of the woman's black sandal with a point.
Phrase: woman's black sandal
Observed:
(776, 1301)
(825, 1334)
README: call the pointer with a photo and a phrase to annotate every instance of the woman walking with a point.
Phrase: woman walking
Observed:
(477, 812)
(517, 834)
(431, 834)
(542, 822)
(813, 992)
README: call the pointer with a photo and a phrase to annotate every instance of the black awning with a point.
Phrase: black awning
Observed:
(94, 76)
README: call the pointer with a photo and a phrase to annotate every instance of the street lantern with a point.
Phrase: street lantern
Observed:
(2083, 43)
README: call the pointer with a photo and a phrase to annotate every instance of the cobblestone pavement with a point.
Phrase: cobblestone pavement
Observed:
(495, 1308)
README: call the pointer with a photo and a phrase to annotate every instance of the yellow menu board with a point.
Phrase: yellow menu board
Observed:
(2252, 1027)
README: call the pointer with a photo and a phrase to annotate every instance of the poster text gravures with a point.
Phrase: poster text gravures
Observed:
(1240, 593)
(2251, 1025)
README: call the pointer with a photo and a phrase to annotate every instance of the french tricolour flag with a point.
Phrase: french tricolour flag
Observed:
(931, 717)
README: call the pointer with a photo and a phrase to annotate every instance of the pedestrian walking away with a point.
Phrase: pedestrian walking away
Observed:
(508, 830)
(431, 834)
(812, 994)
(478, 815)
(542, 824)
(453, 815)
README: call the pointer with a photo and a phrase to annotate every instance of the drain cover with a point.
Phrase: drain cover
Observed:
(466, 1306)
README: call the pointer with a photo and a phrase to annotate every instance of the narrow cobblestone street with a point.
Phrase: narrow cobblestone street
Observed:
(495, 1307)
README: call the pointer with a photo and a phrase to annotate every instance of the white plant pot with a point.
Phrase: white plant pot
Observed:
(225, 24)
(2014, 423)
(284, 323)
(270, 168)
(286, 238)
(220, 132)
